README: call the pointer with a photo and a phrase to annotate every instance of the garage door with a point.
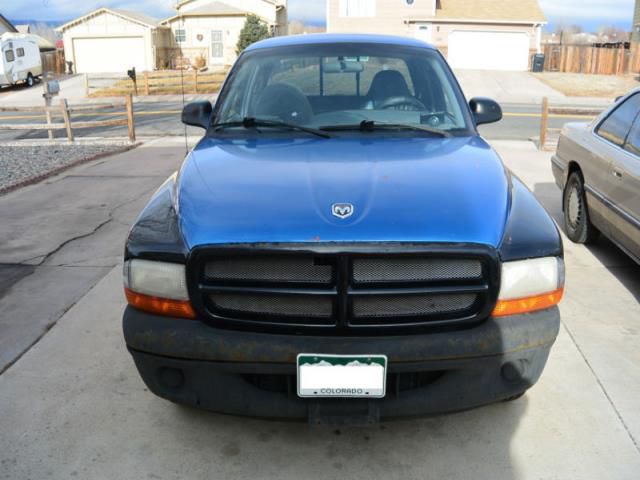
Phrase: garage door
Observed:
(109, 55)
(489, 50)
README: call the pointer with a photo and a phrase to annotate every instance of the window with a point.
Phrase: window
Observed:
(20, 52)
(9, 56)
(181, 35)
(341, 85)
(217, 47)
(633, 141)
(302, 73)
(357, 8)
(617, 125)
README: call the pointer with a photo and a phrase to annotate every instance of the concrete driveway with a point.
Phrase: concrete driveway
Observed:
(71, 88)
(73, 405)
(508, 87)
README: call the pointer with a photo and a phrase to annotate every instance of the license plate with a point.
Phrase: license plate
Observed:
(355, 376)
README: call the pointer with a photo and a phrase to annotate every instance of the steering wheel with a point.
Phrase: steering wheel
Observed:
(401, 103)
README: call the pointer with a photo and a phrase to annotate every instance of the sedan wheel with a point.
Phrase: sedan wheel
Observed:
(576, 214)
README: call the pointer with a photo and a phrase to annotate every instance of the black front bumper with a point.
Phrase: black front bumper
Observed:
(253, 374)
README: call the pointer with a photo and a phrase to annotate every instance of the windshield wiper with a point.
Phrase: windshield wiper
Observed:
(254, 123)
(370, 126)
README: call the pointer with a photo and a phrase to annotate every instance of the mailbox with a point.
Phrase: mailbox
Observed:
(52, 87)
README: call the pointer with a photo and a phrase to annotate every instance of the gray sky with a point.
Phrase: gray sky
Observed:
(590, 13)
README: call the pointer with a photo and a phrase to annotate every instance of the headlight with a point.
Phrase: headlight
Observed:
(530, 285)
(157, 287)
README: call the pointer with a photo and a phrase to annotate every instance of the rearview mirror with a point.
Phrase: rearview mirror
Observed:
(343, 66)
(485, 110)
(197, 114)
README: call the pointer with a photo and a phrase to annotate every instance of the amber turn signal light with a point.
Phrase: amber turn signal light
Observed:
(527, 304)
(160, 306)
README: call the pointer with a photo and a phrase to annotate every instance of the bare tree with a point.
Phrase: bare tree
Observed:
(611, 33)
(296, 27)
(45, 31)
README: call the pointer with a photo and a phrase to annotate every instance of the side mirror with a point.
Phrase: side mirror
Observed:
(485, 110)
(197, 114)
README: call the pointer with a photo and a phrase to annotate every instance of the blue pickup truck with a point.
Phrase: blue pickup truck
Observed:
(342, 245)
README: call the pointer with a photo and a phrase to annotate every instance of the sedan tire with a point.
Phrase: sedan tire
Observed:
(578, 226)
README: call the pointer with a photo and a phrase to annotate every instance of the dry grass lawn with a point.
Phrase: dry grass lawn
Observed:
(160, 83)
(583, 85)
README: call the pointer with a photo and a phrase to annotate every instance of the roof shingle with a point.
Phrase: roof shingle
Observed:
(486, 10)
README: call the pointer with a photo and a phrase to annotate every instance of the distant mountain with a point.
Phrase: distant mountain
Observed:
(51, 23)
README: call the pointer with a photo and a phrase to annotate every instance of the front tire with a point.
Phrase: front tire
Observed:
(30, 80)
(578, 226)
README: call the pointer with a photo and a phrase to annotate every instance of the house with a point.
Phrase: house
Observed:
(209, 30)
(473, 34)
(6, 25)
(201, 32)
(635, 36)
(112, 40)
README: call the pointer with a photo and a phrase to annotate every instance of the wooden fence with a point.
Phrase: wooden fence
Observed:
(593, 60)
(161, 82)
(548, 136)
(66, 111)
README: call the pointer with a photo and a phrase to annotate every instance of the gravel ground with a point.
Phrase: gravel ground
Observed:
(26, 164)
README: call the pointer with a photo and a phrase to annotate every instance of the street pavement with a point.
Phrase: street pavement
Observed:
(161, 118)
(519, 93)
(73, 406)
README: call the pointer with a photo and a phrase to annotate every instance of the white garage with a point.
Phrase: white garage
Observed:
(111, 41)
(489, 50)
(109, 54)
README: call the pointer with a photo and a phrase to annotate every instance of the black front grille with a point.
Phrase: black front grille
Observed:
(295, 306)
(412, 269)
(394, 306)
(353, 291)
(270, 269)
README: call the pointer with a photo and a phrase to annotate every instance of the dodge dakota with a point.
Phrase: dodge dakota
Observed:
(342, 245)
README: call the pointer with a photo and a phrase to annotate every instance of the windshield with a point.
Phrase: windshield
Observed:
(339, 86)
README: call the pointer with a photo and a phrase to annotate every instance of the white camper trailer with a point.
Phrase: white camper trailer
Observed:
(19, 59)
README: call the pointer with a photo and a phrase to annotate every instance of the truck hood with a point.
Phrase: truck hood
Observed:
(402, 190)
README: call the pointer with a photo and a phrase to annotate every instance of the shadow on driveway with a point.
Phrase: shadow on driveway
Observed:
(474, 444)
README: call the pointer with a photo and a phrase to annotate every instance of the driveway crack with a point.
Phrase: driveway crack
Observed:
(602, 387)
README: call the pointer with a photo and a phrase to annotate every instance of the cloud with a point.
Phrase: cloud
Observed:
(568, 11)
(50, 10)
(577, 11)
(313, 11)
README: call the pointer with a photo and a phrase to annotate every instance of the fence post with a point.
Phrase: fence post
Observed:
(47, 104)
(67, 119)
(130, 119)
(195, 80)
(47, 114)
(86, 85)
(146, 83)
(544, 123)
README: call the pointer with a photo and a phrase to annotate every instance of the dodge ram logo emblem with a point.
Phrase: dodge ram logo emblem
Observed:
(342, 210)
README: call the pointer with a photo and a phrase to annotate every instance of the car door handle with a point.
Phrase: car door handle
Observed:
(616, 173)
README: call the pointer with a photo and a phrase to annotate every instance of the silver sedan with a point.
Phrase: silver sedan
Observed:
(597, 166)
